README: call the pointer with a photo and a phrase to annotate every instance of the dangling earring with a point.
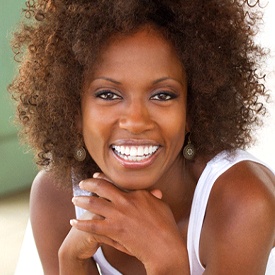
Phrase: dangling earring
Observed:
(189, 150)
(80, 154)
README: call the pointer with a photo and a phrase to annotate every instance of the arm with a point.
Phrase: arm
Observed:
(69, 261)
(239, 228)
(76, 251)
(51, 210)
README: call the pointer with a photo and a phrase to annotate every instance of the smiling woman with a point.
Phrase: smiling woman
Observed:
(135, 99)
(140, 112)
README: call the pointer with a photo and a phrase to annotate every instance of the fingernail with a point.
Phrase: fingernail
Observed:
(73, 222)
(74, 200)
(96, 175)
(81, 185)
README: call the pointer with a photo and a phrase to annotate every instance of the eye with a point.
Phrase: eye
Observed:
(107, 95)
(163, 96)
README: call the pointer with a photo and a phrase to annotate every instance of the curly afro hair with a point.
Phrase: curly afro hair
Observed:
(59, 40)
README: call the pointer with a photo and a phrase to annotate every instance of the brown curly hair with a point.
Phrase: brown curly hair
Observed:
(60, 39)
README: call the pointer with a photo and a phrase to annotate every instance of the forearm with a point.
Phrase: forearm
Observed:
(179, 269)
(175, 265)
(69, 266)
(76, 252)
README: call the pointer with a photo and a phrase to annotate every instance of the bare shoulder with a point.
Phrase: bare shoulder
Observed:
(46, 190)
(239, 227)
(50, 212)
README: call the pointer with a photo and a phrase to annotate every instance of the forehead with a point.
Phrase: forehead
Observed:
(147, 47)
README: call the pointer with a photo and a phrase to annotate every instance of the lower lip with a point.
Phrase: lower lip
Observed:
(136, 164)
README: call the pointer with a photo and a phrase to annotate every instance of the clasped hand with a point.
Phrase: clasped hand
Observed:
(138, 223)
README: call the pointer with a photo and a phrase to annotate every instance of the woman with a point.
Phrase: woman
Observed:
(143, 108)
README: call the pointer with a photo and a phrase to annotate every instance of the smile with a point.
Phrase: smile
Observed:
(135, 153)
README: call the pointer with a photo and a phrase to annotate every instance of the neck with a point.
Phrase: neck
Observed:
(178, 186)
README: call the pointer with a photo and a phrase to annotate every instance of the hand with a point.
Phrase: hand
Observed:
(137, 223)
(81, 244)
(77, 249)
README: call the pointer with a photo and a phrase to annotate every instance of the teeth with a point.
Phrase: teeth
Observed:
(122, 150)
(127, 151)
(146, 151)
(140, 151)
(135, 153)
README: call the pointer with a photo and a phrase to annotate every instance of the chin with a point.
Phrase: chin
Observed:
(132, 184)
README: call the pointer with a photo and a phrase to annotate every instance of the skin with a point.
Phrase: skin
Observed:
(143, 83)
(141, 211)
(136, 76)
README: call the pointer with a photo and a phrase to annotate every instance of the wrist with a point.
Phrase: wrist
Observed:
(171, 268)
(70, 265)
(174, 263)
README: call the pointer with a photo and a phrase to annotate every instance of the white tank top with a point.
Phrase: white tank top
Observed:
(212, 171)
(217, 166)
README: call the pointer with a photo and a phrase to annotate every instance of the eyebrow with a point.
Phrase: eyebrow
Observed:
(163, 79)
(119, 83)
(169, 78)
(107, 79)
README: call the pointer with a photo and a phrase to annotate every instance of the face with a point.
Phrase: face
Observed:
(134, 110)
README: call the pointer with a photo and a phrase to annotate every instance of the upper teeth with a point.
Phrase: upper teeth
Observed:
(135, 151)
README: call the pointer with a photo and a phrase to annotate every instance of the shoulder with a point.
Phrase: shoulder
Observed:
(245, 184)
(46, 188)
(47, 197)
(50, 212)
(239, 226)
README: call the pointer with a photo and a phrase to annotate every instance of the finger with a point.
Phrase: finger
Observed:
(96, 175)
(80, 243)
(101, 188)
(95, 205)
(95, 227)
(97, 238)
(87, 215)
(156, 193)
(99, 175)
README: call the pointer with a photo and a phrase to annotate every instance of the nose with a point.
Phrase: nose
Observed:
(136, 118)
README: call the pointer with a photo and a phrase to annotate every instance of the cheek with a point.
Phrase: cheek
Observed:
(175, 125)
(98, 126)
(94, 132)
(95, 139)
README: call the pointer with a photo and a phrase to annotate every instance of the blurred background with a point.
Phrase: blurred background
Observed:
(16, 166)
(14, 159)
